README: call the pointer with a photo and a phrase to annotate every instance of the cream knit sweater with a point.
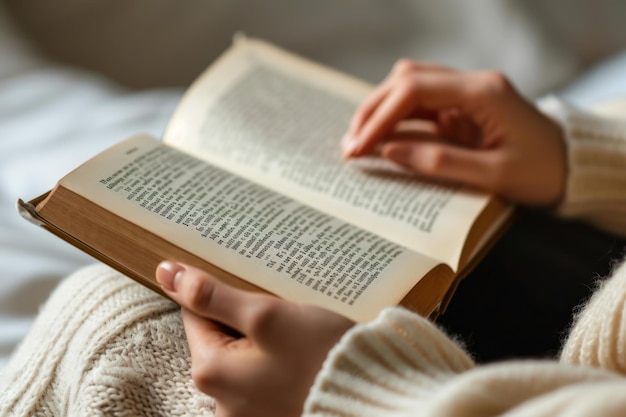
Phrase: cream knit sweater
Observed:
(103, 345)
(402, 365)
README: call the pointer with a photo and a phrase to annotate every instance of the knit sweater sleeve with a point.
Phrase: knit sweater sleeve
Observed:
(402, 365)
(597, 337)
(596, 157)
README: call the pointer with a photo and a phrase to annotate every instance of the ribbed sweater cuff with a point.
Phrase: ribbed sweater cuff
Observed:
(385, 367)
(596, 156)
(597, 338)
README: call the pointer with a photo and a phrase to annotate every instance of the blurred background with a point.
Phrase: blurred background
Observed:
(147, 43)
(76, 76)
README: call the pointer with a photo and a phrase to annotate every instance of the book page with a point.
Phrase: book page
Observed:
(278, 120)
(250, 231)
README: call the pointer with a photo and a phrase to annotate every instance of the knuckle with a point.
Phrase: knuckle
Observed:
(408, 86)
(499, 173)
(262, 315)
(404, 65)
(204, 372)
(433, 160)
(198, 293)
(493, 83)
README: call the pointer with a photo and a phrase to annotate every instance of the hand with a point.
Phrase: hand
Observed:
(469, 127)
(256, 354)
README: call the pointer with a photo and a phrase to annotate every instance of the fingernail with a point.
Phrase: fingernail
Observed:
(168, 274)
(349, 145)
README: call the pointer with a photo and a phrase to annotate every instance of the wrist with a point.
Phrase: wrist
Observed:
(595, 149)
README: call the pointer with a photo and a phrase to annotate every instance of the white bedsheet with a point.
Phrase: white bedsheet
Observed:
(51, 119)
(55, 120)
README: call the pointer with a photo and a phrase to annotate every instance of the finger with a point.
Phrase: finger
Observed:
(459, 128)
(361, 116)
(350, 142)
(204, 334)
(474, 94)
(415, 127)
(369, 106)
(396, 106)
(443, 161)
(409, 136)
(450, 126)
(408, 66)
(211, 354)
(208, 297)
(353, 141)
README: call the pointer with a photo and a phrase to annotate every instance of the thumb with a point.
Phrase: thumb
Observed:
(206, 296)
(442, 161)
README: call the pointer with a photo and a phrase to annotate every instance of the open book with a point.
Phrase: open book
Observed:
(248, 183)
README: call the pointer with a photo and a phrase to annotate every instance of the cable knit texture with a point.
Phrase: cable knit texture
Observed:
(105, 346)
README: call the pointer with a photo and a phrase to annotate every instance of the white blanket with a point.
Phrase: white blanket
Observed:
(51, 119)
